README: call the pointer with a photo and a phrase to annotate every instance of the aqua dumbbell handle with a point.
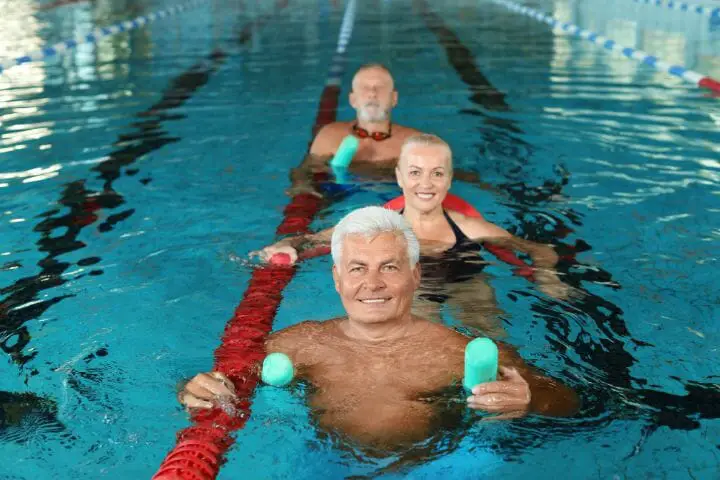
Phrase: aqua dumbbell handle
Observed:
(345, 152)
(481, 362)
(277, 370)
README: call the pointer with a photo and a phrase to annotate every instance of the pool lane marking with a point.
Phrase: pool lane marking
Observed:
(698, 79)
(200, 447)
(50, 51)
(683, 7)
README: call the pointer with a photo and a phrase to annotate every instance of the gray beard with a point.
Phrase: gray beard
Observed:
(374, 117)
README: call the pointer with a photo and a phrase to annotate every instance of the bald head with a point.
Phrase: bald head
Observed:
(376, 71)
(373, 94)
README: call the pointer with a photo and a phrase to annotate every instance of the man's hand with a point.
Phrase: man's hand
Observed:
(206, 390)
(266, 253)
(303, 189)
(510, 395)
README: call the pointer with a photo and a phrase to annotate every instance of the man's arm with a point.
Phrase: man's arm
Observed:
(328, 139)
(323, 147)
(207, 390)
(547, 395)
(301, 177)
(519, 389)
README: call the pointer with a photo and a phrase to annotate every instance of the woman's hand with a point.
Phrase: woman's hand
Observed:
(267, 253)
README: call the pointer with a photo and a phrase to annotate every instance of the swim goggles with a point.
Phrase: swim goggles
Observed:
(377, 136)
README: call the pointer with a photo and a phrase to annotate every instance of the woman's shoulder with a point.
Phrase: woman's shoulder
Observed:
(475, 227)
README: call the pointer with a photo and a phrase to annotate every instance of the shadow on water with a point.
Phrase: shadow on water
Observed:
(27, 418)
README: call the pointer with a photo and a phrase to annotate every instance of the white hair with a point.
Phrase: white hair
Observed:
(425, 140)
(372, 221)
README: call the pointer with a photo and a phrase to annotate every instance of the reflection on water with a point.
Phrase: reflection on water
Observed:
(20, 35)
(28, 92)
(578, 150)
(676, 37)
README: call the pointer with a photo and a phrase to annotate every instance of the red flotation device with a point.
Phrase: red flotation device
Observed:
(457, 204)
(451, 202)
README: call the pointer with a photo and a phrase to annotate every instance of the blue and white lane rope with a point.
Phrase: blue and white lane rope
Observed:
(329, 98)
(337, 67)
(96, 34)
(696, 78)
(684, 7)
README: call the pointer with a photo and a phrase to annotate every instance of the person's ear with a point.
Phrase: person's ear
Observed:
(336, 278)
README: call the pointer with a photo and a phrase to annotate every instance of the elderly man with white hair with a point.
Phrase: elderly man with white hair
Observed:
(375, 369)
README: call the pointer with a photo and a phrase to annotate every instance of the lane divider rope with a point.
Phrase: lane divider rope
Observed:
(698, 79)
(200, 448)
(96, 34)
(684, 7)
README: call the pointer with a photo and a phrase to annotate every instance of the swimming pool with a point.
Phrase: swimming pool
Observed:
(137, 173)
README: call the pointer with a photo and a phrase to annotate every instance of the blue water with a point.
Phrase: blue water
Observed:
(136, 174)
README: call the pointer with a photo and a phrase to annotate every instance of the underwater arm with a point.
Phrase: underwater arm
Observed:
(301, 177)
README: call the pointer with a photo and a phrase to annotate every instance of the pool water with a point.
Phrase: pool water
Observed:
(137, 173)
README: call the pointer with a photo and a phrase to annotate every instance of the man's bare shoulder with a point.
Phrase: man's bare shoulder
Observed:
(329, 137)
(292, 338)
(306, 342)
(403, 131)
(334, 129)
(437, 332)
(453, 339)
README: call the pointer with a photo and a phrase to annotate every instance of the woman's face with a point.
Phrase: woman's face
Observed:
(424, 173)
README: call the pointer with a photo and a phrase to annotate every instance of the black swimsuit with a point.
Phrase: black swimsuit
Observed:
(462, 242)
(459, 263)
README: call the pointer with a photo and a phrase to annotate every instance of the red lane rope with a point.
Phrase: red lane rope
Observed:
(451, 202)
(199, 449)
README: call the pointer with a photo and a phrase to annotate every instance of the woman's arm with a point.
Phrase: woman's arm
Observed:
(503, 244)
(293, 246)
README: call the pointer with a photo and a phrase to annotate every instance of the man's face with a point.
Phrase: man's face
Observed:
(373, 95)
(424, 173)
(374, 279)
